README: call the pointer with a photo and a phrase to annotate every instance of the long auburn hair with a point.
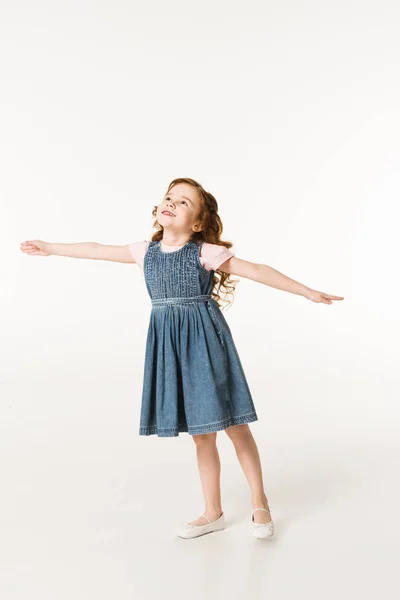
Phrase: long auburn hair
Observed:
(211, 230)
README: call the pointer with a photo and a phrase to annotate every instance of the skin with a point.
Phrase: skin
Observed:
(184, 201)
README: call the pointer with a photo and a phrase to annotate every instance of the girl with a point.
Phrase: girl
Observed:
(193, 377)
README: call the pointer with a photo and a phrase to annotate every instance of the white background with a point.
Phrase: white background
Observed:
(288, 113)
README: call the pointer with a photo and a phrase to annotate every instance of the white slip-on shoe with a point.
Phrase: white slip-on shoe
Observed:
(262, 530)
(191, 531)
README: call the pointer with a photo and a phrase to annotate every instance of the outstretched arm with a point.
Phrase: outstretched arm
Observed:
(273, 278)
(91, 250)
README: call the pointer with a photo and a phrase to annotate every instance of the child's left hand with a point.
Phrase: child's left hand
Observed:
(316, 296)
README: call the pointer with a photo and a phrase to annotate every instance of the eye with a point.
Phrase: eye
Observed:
(169, 198)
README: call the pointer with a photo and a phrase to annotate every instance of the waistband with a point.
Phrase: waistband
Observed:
(190, 299)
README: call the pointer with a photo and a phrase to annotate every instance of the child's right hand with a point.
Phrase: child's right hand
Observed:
(35, 248)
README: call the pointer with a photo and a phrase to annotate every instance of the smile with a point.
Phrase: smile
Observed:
(166, 212)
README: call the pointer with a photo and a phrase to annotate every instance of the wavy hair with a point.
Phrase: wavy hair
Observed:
(211, 230)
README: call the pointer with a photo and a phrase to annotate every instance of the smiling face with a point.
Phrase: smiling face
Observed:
(182, 203)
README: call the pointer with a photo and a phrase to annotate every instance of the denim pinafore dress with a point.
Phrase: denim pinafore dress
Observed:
(193, 377)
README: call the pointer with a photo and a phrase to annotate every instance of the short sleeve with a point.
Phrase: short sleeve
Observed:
(138, 250)
(213, 255)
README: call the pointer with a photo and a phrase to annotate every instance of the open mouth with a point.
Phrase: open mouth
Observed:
(168, 213)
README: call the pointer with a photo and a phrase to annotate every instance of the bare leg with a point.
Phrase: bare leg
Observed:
(210, 471)
(249, 458)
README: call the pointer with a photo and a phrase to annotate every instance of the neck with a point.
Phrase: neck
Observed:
(171, 241)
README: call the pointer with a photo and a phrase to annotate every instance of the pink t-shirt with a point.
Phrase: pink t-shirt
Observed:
(211, 255)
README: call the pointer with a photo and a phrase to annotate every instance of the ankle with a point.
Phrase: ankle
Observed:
(213, 513)
(260, 501)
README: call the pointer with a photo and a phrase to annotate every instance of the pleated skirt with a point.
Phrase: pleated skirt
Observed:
(193, 380)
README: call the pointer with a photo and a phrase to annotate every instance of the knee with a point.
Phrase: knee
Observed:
(238, 432)
(204, 439)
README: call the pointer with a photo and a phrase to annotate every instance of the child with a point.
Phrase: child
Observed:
(193, 377)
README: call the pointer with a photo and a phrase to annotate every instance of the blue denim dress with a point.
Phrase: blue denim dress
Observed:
(193, 378)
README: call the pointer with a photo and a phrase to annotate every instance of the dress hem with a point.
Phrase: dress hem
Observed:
(210, 428)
